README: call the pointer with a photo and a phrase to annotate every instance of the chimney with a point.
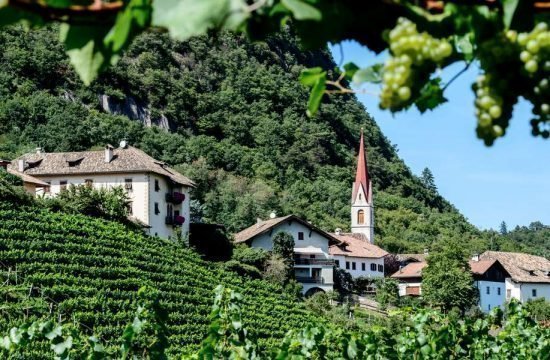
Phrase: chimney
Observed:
(108, 153)
(475, 257)
(338, 231)
(21, 165)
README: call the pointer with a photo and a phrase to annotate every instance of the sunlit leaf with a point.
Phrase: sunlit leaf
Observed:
(302, 10)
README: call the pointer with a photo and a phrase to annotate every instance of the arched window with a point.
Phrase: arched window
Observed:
(360, 217)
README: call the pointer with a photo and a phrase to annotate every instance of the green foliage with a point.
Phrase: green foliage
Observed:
(447, 282)
(106, 203)
(538, 309)
(343, 282)
(256, 257)
(87, 270)
(431, 335)
(387, 292)
(283, 245)
(9, 178)
(242, 269)
(11, 192)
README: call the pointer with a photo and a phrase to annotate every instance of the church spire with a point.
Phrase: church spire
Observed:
(362, 173)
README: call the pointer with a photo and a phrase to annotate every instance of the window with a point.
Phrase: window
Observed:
(508, 294)
(129, 208)
(128, 184)
(176, 213)
(498, 291)
(361, 217)
(63, 185)
(89, 182)
(373, 267)
(534, 292)
(489, 307)
(157, 210)
(312, 256)
(157, 186)
(488, 290)
(347, 265)
(363, 266)
(169, 210)
(360, 197)
(337, 262)
(380, 268)
(353, 265)
(47, 189)
(300, 236)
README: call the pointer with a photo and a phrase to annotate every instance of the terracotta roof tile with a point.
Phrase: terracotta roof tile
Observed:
(481, 266)
(412, 270)
(129, 159)
(356, 245)
(522, 267)
(27, 178)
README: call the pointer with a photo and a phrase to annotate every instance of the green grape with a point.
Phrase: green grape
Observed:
(412, 53)
(532, 66)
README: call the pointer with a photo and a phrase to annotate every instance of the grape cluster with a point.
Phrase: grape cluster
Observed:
(535, 56)
(414, 54)
(490, 102)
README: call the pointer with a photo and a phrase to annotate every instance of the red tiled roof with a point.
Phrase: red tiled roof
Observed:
(412, 270)
(481, 266)
(356, 245)
(362, 174)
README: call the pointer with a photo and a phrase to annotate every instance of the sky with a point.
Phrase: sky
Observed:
(509, 181)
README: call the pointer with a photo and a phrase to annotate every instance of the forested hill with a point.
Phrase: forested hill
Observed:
(237, 126)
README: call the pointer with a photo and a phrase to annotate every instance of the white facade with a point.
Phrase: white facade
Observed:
(148, 205)
(403, 286)
(362, 213)
(491, 294)
(360, 266)
(313, 266)
(526, 291)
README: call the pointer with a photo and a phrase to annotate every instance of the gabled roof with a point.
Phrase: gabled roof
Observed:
(412, 270)
(27, 178)
(356, 245)
(522, 267)
(481, 266)
(124, 160)
(264, 226)
(413, 257)
(362, 173)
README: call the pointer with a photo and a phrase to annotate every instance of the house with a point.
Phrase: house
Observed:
(489, 278)
(30, 183)
(529, 274)
(406, 259)
(313, 266)
(159, 195)
(356, 252)
(410, 278)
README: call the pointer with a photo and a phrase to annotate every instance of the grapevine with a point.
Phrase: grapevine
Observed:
(414, 57)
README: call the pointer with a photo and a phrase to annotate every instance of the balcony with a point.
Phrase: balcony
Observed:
(175, 197)
(310, 280)
(325, 262)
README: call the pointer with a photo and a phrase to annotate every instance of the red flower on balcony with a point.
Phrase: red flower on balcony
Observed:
(179, 220)
(178, 197)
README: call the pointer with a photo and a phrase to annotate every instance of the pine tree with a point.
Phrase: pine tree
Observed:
(428, 180)
(503, 228)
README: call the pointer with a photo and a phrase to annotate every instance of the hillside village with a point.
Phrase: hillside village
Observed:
(159, 199)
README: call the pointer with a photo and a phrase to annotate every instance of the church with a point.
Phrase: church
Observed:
(317, 252)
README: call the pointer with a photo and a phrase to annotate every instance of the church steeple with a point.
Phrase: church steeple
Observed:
(362, 209)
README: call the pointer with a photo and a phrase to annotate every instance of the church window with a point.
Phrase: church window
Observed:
(360, 197)
(361, 217)
(300, 236)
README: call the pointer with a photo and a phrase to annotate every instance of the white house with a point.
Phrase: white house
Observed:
(313, 265)
(529, 274)
(159, 195)
(410, 278)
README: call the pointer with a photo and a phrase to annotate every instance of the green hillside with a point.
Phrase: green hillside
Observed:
(234, 118)
(87, 272)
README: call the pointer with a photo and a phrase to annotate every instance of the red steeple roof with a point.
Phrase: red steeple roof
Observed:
(362, 174)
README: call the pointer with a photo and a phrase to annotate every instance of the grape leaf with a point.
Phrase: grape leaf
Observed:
(431, 96)
(309, 77)
(350, 69)
(316, 94)
(518, 14)
(186, 18)
(302, 10)
(84, 45)
(463, 44)
(371, 74)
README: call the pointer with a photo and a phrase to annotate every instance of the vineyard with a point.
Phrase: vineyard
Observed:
(86, 272)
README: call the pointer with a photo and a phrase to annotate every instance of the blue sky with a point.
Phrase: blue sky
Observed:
(509, 181)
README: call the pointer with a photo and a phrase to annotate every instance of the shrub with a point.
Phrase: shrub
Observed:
(387, 292)
(276, 270)
(252, 256)
(539, 309)
(242, 269)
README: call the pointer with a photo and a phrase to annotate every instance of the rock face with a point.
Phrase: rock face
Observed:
(134, 110)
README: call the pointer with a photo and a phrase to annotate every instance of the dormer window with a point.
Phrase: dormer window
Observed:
(74, 162)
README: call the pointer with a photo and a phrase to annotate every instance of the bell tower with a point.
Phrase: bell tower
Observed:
(362, 208)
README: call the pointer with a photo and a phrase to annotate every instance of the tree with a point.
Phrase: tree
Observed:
(428, 180)
(508, 41)
(387, 292)
(447, 282)
(503, 228)
(343, 282)
(283, 245)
